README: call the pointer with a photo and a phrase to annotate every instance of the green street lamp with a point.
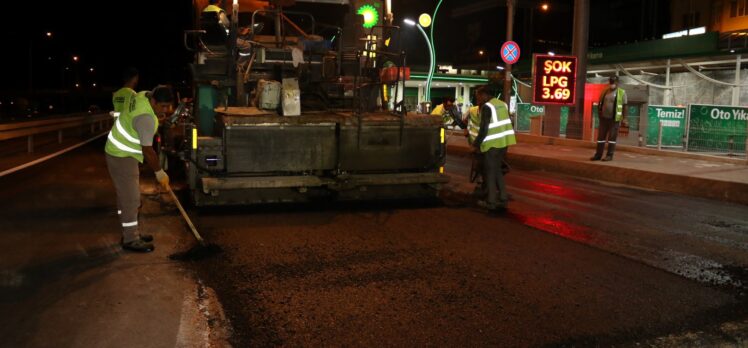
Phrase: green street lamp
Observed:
(430, 77)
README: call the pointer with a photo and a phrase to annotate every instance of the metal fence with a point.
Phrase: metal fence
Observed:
(59, 125)
(700, 128)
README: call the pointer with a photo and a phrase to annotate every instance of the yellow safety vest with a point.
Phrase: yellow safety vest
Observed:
(121, 99)
(473, 123)
(500, 130)
(123, 139)
(620, 95)
(212, 8)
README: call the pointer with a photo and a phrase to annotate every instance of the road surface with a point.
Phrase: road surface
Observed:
(572, 263)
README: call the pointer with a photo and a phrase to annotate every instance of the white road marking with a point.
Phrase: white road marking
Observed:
(48, 157)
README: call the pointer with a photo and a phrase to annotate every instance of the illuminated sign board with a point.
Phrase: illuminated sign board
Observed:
(371, 15)
(554, 79)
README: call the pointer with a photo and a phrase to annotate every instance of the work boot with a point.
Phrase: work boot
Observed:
(492, 208)
(485, 205)
(144, 237)
(608, 158)
(598, 152)
(139, 246)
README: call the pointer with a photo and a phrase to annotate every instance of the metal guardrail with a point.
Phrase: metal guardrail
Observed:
(28, 129)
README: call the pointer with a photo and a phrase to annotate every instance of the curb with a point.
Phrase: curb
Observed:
(687, 185)
(536, 139)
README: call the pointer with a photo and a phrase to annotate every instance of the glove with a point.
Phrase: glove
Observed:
(163, 179)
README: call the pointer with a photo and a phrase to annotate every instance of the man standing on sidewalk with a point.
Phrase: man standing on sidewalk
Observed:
(610, 110)
(495, 136)
(130, 142)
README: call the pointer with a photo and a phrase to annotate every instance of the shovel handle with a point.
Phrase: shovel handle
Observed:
(185, 216)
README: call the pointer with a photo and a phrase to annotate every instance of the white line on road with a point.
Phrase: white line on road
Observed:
(48, 157)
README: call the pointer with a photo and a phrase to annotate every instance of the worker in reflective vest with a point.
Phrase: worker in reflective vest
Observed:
(495, 136)
(121, 97)
(214, 11)
(610, 113)
(130, 142)
(472, 119)
(448, 112)
(473, 123)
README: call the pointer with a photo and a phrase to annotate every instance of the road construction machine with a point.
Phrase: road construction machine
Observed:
(299, 101)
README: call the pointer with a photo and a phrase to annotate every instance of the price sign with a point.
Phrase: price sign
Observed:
(554, 79)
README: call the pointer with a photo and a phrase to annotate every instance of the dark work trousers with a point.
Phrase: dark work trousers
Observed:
(494, 177)
(476, 174)
(607, 130)
(125, 175)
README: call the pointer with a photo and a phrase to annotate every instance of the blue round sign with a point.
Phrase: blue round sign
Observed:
(510, 52)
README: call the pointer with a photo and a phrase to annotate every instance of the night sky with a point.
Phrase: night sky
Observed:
(109, 36)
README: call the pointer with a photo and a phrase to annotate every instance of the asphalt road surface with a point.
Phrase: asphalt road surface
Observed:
(572, 263)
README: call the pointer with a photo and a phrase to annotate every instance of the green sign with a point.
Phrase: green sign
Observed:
(525, 111)
(564, 119)
(673, 121)
(717, 128)
(633, 116)
(371, 15)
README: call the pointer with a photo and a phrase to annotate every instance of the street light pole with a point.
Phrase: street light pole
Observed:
(575, 129)
(509, 37)
(432, 46)
(31, 70)
(432, 64)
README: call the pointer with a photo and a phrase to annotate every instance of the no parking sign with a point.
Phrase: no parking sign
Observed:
(510, 52)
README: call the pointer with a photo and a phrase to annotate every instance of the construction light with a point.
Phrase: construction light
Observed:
(371, 15)
(424, 20)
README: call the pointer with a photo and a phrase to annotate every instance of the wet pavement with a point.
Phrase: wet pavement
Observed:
(572, 263)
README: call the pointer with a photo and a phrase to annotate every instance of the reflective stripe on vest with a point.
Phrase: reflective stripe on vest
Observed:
(123, 138)
(500, 130)
(122, 146)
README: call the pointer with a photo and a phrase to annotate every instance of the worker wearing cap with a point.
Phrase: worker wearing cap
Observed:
(121, 97)
(448, 112)
(610, 112)
(495, 135)
(130, 142)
